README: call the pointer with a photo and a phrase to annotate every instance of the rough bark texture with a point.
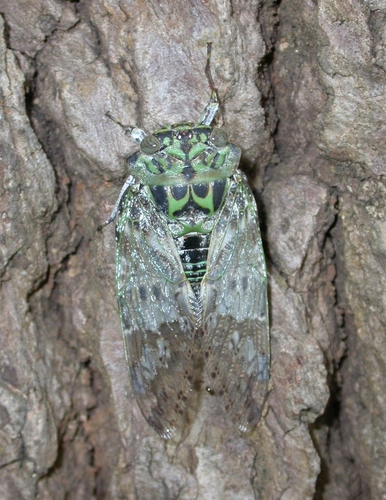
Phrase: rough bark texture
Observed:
(303, 86)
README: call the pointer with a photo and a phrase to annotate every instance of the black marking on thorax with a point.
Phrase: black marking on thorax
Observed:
(164, 195)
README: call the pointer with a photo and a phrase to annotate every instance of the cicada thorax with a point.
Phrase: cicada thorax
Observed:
(187, 198)
(192, 206)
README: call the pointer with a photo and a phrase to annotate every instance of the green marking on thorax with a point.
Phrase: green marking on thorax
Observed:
(196, 150)
(150, 165)
(175, 151)
(178, 151)
(197, 228)
(177, 205)
(206, 202)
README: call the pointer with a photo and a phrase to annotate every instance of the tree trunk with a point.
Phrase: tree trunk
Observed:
(302, 87)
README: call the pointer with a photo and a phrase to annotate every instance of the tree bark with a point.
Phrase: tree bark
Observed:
(302, 86)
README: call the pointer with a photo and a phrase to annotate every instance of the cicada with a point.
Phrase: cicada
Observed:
(191, 277)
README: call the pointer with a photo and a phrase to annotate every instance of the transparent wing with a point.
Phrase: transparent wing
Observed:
(156, 314)
(234, 290)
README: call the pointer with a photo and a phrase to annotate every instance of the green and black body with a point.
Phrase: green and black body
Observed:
(188, 179)
(190, 275)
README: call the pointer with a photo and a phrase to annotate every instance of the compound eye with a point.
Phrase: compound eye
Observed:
(150, 144)
(218, 137)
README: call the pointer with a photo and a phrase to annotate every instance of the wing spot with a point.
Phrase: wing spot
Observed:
(248, 401)
(142, 293)
(233, 285)
(156, 292)
(187, 376)
(163, 395)
(158, 411)
(153, 422)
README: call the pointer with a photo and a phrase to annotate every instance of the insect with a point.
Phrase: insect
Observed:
(190, 274)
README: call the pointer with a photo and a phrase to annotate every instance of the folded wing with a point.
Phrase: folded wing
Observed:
(236, 330)
(155, 301)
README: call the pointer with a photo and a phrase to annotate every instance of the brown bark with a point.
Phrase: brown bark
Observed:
(302, 85)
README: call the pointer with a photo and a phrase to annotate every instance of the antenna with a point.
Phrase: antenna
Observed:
(208, 72)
